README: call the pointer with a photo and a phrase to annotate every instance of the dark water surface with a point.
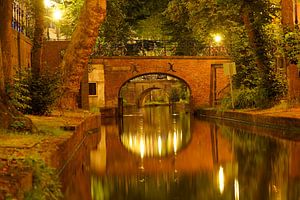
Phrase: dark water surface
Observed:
(160, 153)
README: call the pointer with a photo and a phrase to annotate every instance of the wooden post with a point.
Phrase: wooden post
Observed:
(231, 91)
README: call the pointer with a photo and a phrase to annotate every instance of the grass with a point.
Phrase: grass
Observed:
(32, 150)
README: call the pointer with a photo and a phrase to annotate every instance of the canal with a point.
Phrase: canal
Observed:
(164, 152)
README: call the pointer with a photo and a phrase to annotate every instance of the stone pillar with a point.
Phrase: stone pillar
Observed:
(84, 91)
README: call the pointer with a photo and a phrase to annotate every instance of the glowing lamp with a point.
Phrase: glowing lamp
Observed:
(57, 14)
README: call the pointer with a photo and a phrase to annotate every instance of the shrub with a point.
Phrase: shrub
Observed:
(19, 91)
(34, 95)
(43, 93)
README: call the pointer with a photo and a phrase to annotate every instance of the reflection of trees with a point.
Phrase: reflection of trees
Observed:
(158, 187)
(262, 164)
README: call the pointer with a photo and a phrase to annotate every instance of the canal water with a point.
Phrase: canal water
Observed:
(165, 153)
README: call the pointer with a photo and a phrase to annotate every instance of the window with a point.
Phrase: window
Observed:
(92, 89)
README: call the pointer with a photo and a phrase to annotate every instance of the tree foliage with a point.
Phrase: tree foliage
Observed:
(71, 16)
(115, 31)
(251, 40)
(176, 18)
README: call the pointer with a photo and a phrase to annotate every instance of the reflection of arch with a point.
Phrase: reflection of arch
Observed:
(142, 97)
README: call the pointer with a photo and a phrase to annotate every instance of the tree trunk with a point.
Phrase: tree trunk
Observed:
(37, 52)
(287, 18)
(251, 35)
(80, 48)
(6, 38)
(2, 85)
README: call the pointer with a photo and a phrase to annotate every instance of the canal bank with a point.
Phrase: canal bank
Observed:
(285, 120)
(59, 138)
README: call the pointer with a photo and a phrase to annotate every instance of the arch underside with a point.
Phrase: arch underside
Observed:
(142, 97)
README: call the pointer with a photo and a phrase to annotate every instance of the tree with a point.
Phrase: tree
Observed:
(77, 55)
(253, 38)
(287, 16)
(70, 17)
(37, 49)
(115, 31)
(177, 17)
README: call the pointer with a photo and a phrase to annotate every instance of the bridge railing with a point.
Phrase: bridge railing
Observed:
(158, 48)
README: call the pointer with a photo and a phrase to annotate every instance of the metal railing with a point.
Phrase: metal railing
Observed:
(21, 19)
(158, 48)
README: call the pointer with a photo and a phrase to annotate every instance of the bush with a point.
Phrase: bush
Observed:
(34, 95)
(19, 91)
(43, 93)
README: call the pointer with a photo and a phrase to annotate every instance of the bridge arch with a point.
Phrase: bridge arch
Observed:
(142, 97)
(160, 81)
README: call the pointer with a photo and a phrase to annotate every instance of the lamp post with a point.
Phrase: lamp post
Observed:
(47, 4)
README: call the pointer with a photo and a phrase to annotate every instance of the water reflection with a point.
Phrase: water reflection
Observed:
(217, 162)
(155, 131)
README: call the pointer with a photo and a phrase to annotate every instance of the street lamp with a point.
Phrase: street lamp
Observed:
(218, 38)
(57, 14)
(47, 3)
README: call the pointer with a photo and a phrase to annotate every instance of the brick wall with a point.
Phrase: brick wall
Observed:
(53, 53)
(195, 71)
(21, 51)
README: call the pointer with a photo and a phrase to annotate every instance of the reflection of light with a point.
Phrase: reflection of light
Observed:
(221, 179)
(159, 145)
(142, 147)
(57, 14)
(175, 142)
(130, 141)
(236, 190)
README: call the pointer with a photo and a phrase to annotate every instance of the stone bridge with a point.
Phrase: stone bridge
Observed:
(204, 76)
(136, 92)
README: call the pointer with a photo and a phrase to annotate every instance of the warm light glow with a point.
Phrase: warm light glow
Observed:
(57, 14)
(221, 179)
(142, 148)
(175, 142)
(159, 145)
(47, 3)
(236, 190)
(218, 38)
(130, 141)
